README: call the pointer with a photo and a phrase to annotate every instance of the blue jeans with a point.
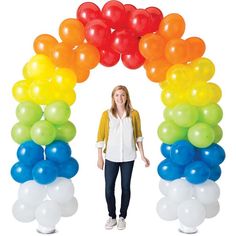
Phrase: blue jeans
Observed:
(111, 172)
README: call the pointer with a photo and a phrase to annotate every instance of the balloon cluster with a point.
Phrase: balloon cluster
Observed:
(190, 131)
(47, 204)
(189, 203)
(46, 192)
(195, 164)
(32, 164)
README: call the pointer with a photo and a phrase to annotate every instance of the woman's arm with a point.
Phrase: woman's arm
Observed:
(100, 162)
(140, 147)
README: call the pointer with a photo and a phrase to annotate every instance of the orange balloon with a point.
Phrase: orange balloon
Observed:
(82, 74)
(156, 70)
(151, 46)
(172, 26)
(87, 55)
(62, 55)
(196, 48)
(44, 43)
(72, 32)
(176, 51)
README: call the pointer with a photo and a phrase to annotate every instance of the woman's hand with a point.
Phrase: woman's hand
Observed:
(100, 163)
(146, 161)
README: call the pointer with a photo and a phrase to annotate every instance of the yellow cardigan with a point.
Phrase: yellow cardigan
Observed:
(103, 130)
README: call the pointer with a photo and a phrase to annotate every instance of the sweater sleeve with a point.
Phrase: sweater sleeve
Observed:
(101, 131)
(138, 128)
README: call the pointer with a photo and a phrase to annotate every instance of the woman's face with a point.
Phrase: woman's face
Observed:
(120, 97)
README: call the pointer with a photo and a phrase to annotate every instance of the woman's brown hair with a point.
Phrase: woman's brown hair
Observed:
(128, 106)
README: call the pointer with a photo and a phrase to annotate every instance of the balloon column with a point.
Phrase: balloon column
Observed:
(190, 132)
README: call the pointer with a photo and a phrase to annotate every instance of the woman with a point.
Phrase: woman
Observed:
(119, 132)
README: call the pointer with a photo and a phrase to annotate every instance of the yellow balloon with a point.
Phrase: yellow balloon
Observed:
(180, 75)
(203, 69)
(199, 94)
(20, 91)
(171, 97)
(41, 92)
(68, 96)
(64, 79)
(39, 67)
(26, 74)
(216, 91)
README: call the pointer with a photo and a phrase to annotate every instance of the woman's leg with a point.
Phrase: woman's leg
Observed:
(126, 173)
(111, 171)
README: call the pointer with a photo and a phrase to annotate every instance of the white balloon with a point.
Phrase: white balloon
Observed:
(212, 209)
(23, 212)
(164, 186)
(48, 214)
(191, 213)
(167, 209)
(69, 208)
(32, 193)
(208, 192)
(61, 190)
(180, 190)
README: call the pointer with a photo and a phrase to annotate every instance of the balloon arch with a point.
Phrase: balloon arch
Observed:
(189, 132)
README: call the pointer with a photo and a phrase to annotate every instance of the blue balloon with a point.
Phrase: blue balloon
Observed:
(215, 173)
(30, 153)
(197, 172)
(68, 169)
(182, 153)
(165, 150)
(45, 172)
(21, 173)
(213, 155)
(58, 151)
(169, 171)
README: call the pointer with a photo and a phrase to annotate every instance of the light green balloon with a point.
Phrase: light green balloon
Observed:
(20, 133)
(43, 132)
(218, 133)
(168, 114)
(28, 112)
(201, 135)
(185, 115)
(66, 132)
(211, 114)
(169, 132)
(57, 113)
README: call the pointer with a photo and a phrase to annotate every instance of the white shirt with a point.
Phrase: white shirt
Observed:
(120, 145)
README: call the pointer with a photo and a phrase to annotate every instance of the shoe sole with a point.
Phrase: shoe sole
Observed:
(110, 227)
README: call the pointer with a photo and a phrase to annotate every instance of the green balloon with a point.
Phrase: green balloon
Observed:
(20, 133)
(57, 113)
(211, 114)
(185, 115)
(28, 112)
(66, 132)
(43, 132)
(169, 132)
(168, 114)
(218, 133)
(201, 135)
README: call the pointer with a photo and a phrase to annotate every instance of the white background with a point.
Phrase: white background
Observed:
(21, 21)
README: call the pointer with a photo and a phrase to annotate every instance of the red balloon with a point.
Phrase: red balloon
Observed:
(123, 41)
(129, 8)
(88, 11)
(139, 22)
(108, 57)
(133, 60)
(97, 33)
(114, 14)
(156, 17)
